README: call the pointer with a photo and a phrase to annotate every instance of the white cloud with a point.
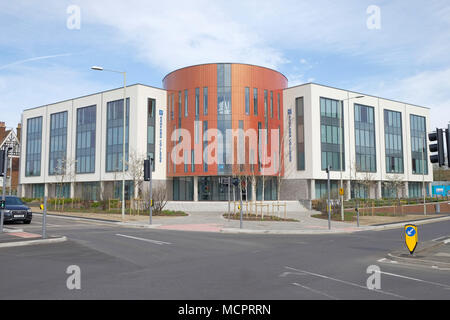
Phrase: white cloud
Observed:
(429, 89)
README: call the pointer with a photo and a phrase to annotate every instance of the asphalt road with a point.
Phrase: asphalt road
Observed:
(132, 263)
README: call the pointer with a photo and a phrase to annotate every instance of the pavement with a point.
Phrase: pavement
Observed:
(305, 224)
(12, 236)
(215, 222)
(433, 254)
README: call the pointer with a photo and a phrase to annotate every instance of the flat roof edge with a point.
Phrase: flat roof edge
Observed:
(92, 94)
(364, 94)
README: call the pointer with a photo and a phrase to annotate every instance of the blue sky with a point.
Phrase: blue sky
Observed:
(328, 42)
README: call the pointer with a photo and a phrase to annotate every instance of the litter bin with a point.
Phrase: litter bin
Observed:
(438, 208)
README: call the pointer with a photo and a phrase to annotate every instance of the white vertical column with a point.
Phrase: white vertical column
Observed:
(195, 188)
(312, 189)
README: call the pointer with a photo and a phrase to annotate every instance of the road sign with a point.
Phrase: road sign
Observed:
(341, 191)
(411, 238)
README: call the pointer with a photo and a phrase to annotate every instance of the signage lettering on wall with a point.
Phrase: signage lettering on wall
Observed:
(290, 133)
(160, 134)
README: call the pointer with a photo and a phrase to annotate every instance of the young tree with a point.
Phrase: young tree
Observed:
(136, 171)
(64, 173)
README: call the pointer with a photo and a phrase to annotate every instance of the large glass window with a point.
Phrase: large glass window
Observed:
(393, 141)
(278, 106)
(255, 101)
(89, 190)
(247, 100)
(415, 189)
(114, 135)
(183, 188)
(300, 134)
(359, 190)
(205, 145)
(266, 120)
(332, 141)
(197, 103)
(151, 131)
(223, 88)
(365, 139)
(322, 189)
(205, 101)
(34, 146)
(186, 103)
(58, 143)
(418, 145)
(271, 104)
(85, 150)
(129, 189)
(38, 190)
(211, 189)
(270, 188)
(223, 115)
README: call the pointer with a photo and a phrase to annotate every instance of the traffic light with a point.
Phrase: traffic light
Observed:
(438, 147)
(2, 162)
(447, 134)
(2, 204)
(147, 170)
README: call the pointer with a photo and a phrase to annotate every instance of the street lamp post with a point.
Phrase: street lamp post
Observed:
(341, 138)
(97, 68)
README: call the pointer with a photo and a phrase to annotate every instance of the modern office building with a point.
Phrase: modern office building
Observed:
(213, 121)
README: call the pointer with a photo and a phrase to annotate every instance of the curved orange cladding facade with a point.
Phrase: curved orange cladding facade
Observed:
(242, 111)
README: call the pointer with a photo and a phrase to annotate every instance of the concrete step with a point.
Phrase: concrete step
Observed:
(222, 206)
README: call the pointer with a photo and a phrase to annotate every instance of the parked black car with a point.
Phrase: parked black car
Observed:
(16, 210)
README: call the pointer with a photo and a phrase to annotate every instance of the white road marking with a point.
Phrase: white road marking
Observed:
(315, 291)
(347, 283)
(142, 239)
(440, 238)
(442, 254)
(414, 279)
(447, 241)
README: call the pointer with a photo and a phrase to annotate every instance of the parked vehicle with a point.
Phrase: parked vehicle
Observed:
(16, 210)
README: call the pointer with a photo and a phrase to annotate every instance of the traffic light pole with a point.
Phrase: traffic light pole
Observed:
(5, 167)
(151, 194)
(329, 201)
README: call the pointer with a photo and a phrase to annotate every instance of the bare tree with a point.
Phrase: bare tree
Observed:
(64, 173)
(393, 183)
(159, 195)
(136, 171)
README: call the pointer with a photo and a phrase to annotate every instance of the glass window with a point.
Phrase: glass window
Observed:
(365, 146)
(247, 100)
(114, 132)
(85, 139)
(58, 143)
(255, 101)
(197, 102)
(186, 103)
(33, 148)
(393, 141)
(331, 140)
(418, 141)
(205, 101)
